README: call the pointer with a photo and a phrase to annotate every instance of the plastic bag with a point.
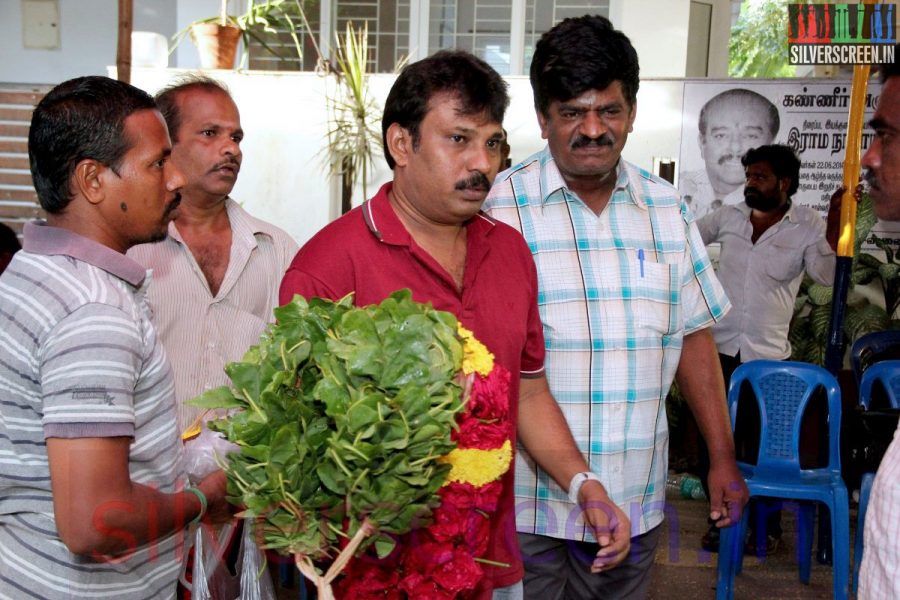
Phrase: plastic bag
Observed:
(201, 453)
(211, 579)
(256, 582)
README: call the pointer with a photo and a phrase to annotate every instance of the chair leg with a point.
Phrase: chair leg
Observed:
(738, 558)
(805, 529)
(840, 538)
(729, 540)
(864, 491)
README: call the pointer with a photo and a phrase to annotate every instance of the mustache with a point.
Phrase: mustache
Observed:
(727, 158)
(478, 181)
(228, 162)
(870, 179)
(583, 141)
(750, 190)
(173, 204)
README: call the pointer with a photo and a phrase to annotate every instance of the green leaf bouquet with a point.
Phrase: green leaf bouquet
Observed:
(343, 415)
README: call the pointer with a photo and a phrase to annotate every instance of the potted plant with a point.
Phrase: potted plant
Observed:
(216, 37)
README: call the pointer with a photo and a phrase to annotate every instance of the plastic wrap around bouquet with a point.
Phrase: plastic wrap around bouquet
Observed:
(372, 443)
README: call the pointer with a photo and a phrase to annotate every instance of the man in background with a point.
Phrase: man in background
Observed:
(216, 275)
(92, 494)
(626, 297)
(767, 244)
(730, 123)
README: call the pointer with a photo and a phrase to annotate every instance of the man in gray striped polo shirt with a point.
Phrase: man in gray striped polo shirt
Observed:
(92, 497)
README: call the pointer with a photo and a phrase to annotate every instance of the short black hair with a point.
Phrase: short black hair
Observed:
(167, 98)
(9, 243)
(781, 158)
(739, 95)
(79, 119)
(479, 88)
(889, 70)
(581, 54)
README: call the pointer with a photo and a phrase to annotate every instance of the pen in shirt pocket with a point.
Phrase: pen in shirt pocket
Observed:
(641, 260)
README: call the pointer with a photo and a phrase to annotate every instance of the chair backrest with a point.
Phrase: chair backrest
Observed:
(887, 374)
(782, 390)
(873, 347)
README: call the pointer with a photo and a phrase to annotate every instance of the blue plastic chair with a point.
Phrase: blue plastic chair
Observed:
(873, 347)
(782, 390)
(886, 374)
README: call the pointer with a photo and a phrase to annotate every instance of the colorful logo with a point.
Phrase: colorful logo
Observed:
(829, 34)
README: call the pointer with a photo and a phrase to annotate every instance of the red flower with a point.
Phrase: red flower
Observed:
(425, 557)
(368, 581)
(478, 532)
(460, 574)
(419, 586)
(459, 495)
(475, 433)
(449, 524)
(487, 497)
(490, 395)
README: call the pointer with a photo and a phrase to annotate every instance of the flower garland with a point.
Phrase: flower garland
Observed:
(441, 561)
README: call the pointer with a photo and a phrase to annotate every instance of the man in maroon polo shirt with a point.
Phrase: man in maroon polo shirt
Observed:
(424, 231)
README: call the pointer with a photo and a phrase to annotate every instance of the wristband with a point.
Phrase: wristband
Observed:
(203, 504)
(577, 481)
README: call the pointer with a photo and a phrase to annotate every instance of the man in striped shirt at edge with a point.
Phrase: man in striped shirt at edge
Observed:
(92, 496)
(878, 576)
(626, 296)
(216, 275)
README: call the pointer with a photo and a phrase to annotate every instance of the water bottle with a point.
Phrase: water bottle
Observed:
(686, 485)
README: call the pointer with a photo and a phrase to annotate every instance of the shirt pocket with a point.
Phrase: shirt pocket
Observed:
(784, 259)
(653, 298)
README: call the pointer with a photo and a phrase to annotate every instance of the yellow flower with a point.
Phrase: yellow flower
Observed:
(476, 357)
(478, 467)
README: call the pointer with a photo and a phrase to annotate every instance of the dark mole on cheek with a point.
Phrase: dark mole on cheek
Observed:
(124, 207)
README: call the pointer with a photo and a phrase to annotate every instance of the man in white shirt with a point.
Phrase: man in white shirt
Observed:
(730, 123)
(767, 244)
(216, 276)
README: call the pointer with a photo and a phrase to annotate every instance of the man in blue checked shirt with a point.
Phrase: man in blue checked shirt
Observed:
(627, 297)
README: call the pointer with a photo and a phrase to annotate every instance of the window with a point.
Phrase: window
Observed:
(541, 16)
(480, 26)
(483, 27)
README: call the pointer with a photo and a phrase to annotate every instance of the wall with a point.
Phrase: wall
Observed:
(657, 29)
(87, 39)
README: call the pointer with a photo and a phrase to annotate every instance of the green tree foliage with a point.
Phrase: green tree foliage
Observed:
(758, 46)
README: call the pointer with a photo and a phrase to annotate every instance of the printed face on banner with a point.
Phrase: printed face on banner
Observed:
(731, 129)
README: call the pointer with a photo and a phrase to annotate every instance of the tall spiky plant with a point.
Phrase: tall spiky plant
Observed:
(354, 134)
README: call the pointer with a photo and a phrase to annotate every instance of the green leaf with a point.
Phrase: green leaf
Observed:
(384, 545)
(820, 295)
(332, 478)
(889, 271)
(220, 397)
